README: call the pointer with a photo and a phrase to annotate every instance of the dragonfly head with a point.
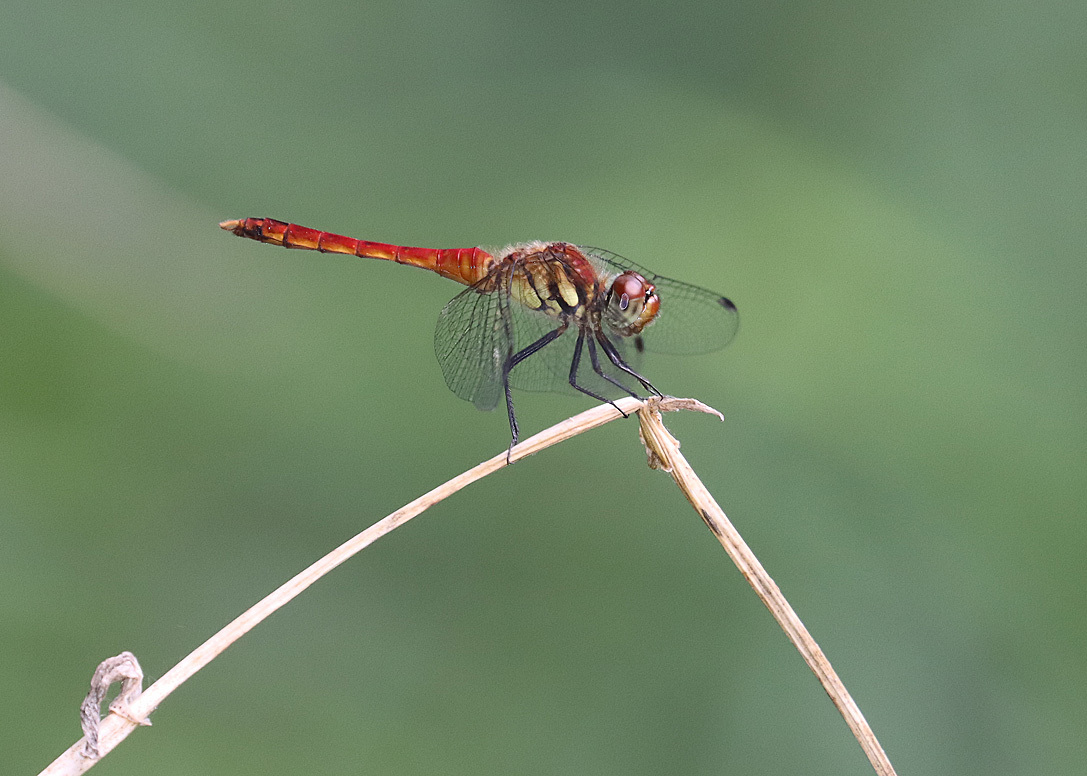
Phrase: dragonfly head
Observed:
(631, 304)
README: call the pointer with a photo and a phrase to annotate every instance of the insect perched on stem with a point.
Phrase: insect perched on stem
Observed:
(541, 316)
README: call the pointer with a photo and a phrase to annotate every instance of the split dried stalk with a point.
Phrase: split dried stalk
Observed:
(663, 451)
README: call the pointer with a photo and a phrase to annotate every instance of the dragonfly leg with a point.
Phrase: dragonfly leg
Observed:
(514, 432)
(596, 368)
(615, 358)
(576, 362)
(513, 361)
(524, 353)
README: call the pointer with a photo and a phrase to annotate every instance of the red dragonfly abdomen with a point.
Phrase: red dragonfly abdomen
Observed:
(464, 265)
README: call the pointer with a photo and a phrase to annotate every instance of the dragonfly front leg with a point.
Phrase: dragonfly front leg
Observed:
(596, 368)
(615, 358)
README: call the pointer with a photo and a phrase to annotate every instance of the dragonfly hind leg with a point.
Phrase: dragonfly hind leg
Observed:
(513, 361)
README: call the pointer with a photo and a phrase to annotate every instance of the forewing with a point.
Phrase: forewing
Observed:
(691, 319)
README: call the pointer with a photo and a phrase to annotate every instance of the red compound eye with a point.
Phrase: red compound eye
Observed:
(632, 303)
(628, 286)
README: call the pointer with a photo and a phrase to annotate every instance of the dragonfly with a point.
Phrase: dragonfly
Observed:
(541, 316)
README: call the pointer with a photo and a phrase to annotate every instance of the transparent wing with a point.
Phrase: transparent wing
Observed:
(481, 327)
(548, 369)
(691, 319)
(472, 343)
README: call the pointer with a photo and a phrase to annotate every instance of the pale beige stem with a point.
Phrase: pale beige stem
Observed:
(116, 727)
(664, 453)
(663, 450)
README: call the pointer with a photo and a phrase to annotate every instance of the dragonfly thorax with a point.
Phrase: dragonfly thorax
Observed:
(552, 278)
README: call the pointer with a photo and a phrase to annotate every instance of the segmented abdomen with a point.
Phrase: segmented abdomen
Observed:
(464, 265)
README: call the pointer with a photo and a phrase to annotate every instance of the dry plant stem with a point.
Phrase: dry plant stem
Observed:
(664, 453)
(116, 727)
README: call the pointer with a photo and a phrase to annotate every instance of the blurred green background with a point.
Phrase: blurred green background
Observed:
(894, 197)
